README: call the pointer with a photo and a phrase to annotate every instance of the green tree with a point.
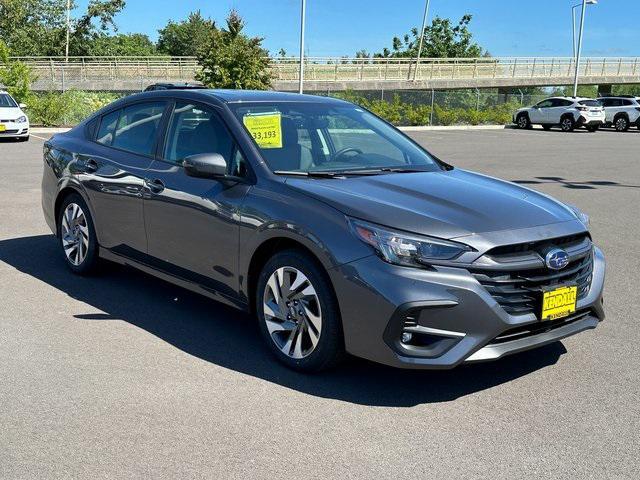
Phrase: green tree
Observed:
(442, 39)
(15, 76)
(130, 44)
(185, 38)
(31, 27)
(231, 59)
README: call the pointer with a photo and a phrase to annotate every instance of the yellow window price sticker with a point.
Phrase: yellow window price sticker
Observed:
(265, 129)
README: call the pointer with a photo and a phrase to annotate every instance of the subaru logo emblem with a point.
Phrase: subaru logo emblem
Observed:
(556, 259)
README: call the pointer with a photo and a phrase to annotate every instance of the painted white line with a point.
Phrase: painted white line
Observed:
(41, 138)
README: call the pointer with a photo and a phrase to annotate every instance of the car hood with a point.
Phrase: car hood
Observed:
(10, 113)
(446, 204)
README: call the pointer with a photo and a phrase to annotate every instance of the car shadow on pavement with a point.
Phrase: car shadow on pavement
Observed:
(589, 185)
(228, 338)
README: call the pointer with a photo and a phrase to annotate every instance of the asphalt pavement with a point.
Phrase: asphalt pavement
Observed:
(124, 376)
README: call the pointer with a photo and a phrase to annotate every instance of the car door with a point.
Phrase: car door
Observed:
(554, 112)
(193, 223)
(537, 114)
(113, 172)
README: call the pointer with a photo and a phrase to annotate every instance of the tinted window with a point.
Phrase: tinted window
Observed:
(197, 129)
(107, 127)
(627, 102)
(545, 104)
(7, 101)
(309, 136)
(590, 103)
(138, 126)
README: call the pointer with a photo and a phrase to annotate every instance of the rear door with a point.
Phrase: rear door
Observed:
(558, 107)
(113, 174)
(193, 223)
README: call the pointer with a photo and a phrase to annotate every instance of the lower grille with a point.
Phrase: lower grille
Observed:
(519, 292)
(536, 328)
(9, 132)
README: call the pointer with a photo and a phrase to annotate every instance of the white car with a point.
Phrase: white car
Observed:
(14, 122)
(621, 112)
(566, 112)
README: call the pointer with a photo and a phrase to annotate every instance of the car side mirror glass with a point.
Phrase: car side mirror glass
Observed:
(205, 165)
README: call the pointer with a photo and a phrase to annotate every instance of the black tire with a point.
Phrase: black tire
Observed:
(593, 128)
(621, 123)
(89, 263)
(567, 124)
(547, 127)
(523, 121)
(329, 349)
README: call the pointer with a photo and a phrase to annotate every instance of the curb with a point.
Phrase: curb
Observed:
(455, 127)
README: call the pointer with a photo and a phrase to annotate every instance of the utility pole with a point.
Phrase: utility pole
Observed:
(302, 15)
(424, 25)
(66, 48)
(575, 81)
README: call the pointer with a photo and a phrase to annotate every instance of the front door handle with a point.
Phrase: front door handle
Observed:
(156, 185)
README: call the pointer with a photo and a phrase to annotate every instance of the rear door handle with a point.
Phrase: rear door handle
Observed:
(156, 185)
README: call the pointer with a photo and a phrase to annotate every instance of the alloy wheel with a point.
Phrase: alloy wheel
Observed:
(75, 234)
(621, 124)
(567, 124)
(292, 312)
(522, 121)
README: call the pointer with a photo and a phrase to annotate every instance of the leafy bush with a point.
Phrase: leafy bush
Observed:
(55, 109)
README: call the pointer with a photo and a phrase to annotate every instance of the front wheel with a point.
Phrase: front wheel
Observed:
(523, 121)
(77, 235)
(298, 313)
(621, 124)
(567, 124)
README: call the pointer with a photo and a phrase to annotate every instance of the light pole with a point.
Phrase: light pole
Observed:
(302, 15)
(66, 48)
(573, 22)
(584, 9)
(424, 25)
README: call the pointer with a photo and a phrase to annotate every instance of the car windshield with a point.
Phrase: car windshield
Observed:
(590, 103)
(6, 101)
(310, 137)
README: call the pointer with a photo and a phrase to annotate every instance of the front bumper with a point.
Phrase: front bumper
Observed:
(448, 304)
(15, 130)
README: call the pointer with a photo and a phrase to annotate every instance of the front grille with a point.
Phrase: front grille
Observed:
(519, 292)
(8, 132)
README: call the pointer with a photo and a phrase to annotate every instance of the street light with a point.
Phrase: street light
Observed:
(573, 22)
(424, 25)
(584, 10)
(302, 15)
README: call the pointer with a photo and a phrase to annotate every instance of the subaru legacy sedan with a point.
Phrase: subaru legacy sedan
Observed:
(334, 229)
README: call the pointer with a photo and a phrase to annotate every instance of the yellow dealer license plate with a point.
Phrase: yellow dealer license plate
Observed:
(559, 302)
(2, 127)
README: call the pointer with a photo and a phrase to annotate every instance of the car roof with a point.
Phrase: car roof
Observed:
(240, 96)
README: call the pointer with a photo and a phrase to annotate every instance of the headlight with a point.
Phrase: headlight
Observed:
(21, 119)
(580, 215)
(406, 249)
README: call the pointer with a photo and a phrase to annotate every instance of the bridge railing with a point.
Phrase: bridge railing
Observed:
(77, 70)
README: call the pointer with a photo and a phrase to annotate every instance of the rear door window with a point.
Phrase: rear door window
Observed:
(107, 127)
(137, 128)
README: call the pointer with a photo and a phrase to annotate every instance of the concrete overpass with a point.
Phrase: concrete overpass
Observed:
(338, 74)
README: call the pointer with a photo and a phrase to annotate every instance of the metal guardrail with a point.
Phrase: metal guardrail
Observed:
(102, 70)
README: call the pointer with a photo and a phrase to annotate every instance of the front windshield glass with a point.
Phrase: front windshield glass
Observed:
(319, 137)
(6, 101)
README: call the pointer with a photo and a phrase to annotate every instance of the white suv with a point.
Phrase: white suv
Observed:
(566, 112)
(621, 112)
(13, 121)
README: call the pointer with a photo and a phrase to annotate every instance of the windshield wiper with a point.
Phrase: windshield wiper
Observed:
(317, 174)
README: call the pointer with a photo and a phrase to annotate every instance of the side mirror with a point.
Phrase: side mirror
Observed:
(205, 165)
(22, 106)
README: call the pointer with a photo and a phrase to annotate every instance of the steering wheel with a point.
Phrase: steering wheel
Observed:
(344, 151)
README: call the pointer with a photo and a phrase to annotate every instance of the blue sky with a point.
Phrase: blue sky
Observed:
(341, 27)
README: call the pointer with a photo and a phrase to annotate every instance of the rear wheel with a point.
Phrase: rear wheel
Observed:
(298, 314)
(567, 124)
(523, 121)
(621, 124)
(77, 235)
